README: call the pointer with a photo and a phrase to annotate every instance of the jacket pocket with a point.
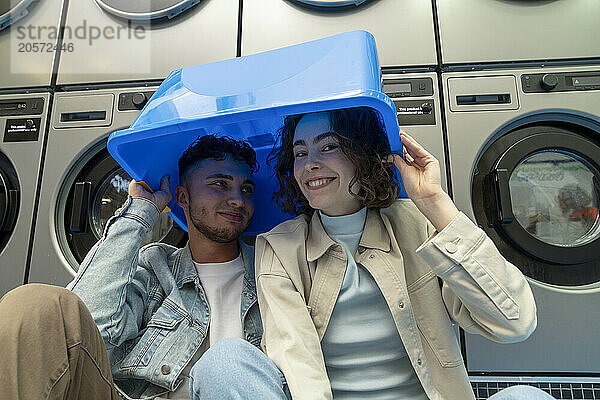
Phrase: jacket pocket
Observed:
(164, 320)
(434, 323)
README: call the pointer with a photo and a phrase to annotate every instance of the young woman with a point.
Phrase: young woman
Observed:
(349, 292)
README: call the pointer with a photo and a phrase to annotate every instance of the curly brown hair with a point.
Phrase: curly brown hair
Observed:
(216, 147)
(362, 138)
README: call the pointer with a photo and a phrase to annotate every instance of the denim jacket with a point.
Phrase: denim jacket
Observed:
(149, 304)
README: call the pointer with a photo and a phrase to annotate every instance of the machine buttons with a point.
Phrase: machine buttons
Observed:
(133, 101)
(31, 106)
(549, 81)
(426, 107)
(560, 82)
(139, 100)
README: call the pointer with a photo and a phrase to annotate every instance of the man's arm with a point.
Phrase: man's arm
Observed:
(109, 281)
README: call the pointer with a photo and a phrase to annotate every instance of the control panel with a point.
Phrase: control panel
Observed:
(134, 100)
(560, 82)
(29, 106)
(420, 109)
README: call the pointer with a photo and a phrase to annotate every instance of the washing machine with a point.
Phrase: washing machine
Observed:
(524, 150)
(475, 31)
(82, 186)
(23, 119)
(124, 40)
(403, 29)
(28, 38)
(418, 104)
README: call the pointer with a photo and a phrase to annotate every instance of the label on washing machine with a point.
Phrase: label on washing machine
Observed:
(22, 130)
(415, 112)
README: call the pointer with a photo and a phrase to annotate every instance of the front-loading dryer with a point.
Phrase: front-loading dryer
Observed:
(403, 29)
(82, 186)
(125, 40)
(23, 119)
(478, 31)
(524, 150)
(28, 39)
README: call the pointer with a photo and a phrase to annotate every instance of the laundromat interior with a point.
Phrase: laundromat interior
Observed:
(504, 93)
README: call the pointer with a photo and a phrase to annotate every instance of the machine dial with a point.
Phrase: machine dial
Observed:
(549, 81)
(139, 100)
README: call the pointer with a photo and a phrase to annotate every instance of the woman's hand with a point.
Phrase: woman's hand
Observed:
(160, 198)
(421, 177)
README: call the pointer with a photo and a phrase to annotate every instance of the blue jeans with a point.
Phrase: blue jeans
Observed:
(233, 369)
(521, 392)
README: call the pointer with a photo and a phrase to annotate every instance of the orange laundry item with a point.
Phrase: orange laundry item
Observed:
(586, 213)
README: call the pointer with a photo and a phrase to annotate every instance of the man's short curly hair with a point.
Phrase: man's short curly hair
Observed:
(218, 148)
(362, 138)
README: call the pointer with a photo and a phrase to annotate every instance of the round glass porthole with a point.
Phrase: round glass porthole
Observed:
(12, 11)
(554, 196)
(111, 194)
(144, 10)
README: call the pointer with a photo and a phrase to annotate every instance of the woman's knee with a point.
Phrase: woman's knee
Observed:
(521, 392)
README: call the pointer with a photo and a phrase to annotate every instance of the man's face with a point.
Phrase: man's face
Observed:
(218, 199)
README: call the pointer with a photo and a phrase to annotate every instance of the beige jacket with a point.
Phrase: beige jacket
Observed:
(299, 272)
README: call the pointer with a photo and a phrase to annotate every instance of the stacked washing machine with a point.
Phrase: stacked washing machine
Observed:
(26, 60)
(521, 82)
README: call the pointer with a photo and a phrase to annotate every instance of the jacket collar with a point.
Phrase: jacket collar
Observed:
(185, 272)
(374, 236)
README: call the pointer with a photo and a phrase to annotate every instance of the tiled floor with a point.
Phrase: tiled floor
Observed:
(558, 390)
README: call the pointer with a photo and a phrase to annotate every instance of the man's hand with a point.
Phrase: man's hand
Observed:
(160, 198)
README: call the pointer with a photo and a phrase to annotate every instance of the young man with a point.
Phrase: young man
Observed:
(161, 312)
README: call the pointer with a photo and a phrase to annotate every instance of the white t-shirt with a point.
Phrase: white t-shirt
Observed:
(222, 283)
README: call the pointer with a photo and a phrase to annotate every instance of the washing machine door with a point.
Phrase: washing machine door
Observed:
(99, 190)
(536, 192)
(12, 11)
(144, 10)
(9, 199)
(332, 3)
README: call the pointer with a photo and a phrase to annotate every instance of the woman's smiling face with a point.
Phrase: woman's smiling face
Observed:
(321, 169)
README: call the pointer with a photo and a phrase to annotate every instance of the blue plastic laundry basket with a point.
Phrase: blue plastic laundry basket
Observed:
(247, 98)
